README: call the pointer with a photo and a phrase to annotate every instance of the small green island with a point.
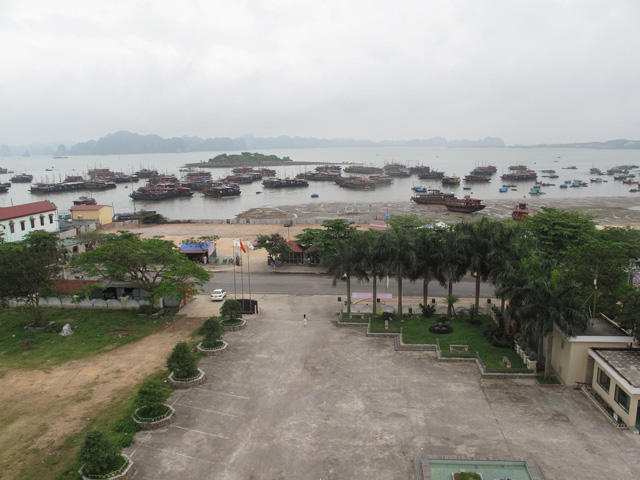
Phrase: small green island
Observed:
(245, 159)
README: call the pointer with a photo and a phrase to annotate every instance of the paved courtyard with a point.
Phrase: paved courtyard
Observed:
(322, 402)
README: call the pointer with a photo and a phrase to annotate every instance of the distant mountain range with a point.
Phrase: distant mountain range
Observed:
(123, 142)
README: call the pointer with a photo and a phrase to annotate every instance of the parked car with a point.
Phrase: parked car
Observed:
(218, 295)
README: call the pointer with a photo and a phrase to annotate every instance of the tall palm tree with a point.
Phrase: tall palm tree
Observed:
(347, 259)
(398, 248)
(452, 259)
(428, 264)
(374, 260)
(548, 302)
(479, 240)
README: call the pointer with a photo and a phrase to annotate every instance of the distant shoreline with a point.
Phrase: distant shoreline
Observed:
(251, 164)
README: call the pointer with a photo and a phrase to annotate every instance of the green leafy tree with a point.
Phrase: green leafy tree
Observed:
(323, 241)
(629, 316)
(98, 455)
(212, 331)
(451, 304)
(557, 230)
(406, 222)
(149, 218)
(231, 310)
(453, 260)
(374, 261)
(28, 269)
(428, 264)
(153, 264)
(275, 245)
(182, 362)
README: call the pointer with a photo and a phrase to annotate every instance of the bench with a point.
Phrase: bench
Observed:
(506, 361)
(453, 348)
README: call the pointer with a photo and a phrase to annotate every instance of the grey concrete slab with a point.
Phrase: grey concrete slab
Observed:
(322, 402)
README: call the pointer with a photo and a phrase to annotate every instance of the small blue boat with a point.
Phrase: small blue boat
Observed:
(314, 195)
(564, 185)
(504, 189)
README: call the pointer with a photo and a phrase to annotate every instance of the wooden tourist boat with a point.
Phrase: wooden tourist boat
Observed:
(520, 212)
(464, 205)
(432, 196)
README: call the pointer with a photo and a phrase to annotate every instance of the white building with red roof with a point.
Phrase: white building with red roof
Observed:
(19, 220)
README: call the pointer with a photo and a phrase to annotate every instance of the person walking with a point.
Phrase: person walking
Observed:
(304, 319)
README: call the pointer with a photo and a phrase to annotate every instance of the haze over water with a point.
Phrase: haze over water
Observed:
(459, 161)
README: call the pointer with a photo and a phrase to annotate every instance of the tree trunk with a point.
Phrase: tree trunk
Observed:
(540, 344)
(478, 294)
(502, 302)
(399, 294)
(348, 294)
(375, 293)
(450, 294)
(547, 362)
(34, 304)
(425, 291)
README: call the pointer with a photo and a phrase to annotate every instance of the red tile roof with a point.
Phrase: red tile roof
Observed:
(295, 248)
(87, 207)
(7, 213)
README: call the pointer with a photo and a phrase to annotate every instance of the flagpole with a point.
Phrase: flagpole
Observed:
(249, 270)
(233, 258)
(241, 273)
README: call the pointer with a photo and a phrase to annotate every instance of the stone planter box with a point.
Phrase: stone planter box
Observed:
(213, 351)
(155, 424)
(518, 349)
(233, 328)
(189, 383)
(532, 364)
(153, 315)
(127, 474)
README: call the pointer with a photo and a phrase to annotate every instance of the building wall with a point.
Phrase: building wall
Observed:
(19, 234)
(102, 216)
(570, 363)
(609, 397)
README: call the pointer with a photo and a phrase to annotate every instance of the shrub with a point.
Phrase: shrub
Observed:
(151, 397)
(386, 316)
(442, 326)
(231, 310)
(53, 327)
(98, 455)
(182, 362)
(533, 356)
(147, 310)
(428, 311)
(125, 429)
(212, 331)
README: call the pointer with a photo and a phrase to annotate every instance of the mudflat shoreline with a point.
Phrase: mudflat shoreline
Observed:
(606, 211)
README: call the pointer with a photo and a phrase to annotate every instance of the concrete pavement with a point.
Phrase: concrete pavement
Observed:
(322, 402)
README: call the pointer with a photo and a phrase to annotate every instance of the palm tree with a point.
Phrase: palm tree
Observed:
(428, 261)
(479, 239)
(398, 248)
(374, 260)
(347, 259)
(451, 301)
(547, 302)
(452, 259)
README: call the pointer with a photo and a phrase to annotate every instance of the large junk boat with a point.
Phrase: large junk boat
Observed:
(57, 187)
(474, 178)
(363, 169)
(520, 175)
(451, 180)
(464, 205)
(22, 178)
(222, 189)
(4, 187)
(357, 183)
(284, 183)
(430, 174)
(161, 192)
(432, 196)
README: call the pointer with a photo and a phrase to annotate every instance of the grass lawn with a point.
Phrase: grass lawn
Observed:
(416, 331)
(377, 325)
(95, 331)
(356, 318)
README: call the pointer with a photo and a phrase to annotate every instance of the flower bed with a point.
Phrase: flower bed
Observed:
(230, 326)
(219, 349)
(125, 472)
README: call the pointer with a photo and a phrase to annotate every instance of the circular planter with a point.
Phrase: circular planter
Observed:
(155, 423)
(189, 382)
(126, 474)
(213, 351)
(233, 328)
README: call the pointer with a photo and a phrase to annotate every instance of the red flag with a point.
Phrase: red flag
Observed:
(242, 247)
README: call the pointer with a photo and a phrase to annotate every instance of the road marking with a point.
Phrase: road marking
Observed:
(200, 431)
(179, 454)
(222, 393)
(207, 410)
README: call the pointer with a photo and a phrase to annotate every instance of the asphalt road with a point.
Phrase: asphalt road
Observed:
(310, 284)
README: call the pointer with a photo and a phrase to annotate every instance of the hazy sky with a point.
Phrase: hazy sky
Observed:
(527, 71)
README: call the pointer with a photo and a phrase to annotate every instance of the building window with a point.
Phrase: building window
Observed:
(42, 220)
(603, 380)
(23, 225)
(12, 227)
(33, 222)
(51, 218)
(622, 398)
